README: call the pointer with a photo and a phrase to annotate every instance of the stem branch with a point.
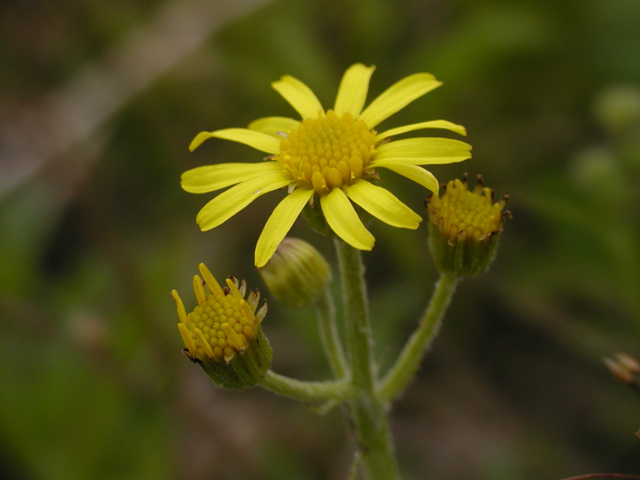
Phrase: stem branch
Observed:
(339, 390)
(408, 362)
(326, 314)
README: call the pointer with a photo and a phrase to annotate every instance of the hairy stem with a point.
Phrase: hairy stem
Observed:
(408, 362)
(339, 390)
(369, 415)
(326, 314)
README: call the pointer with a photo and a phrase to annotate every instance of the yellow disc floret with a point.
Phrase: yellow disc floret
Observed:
(460, 211)
(223, 322)
(327, 152)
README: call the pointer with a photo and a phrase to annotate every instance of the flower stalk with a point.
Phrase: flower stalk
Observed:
(356, 313)
(368, 413)
(408, 362)
(329, 337)
(313, 392)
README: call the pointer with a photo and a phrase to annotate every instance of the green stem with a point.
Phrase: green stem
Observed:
(356, 309)
(370, 416)
(408, 362)
(326, 313)
(339, 390)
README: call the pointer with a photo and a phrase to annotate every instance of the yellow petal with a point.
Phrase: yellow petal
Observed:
(398, 96)
(231, 201)
(279, 224)
(187, 338)
(412, 172)
(423, 151)
(233, 288)
(258, 140)
(198, 289)
(182, 313)
(204, 344)
(353, 89)
(383, 205)
(274, 125)
(233, 339)
(299, 96)
(419, 126)
(210, 280)
(210, 178)
(344, 221)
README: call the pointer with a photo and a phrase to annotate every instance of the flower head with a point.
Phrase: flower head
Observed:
(223, 333)
(223, 323)
(329, 155)
(464, 227)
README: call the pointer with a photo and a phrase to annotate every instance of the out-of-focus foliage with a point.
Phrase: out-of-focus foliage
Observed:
(94, 236)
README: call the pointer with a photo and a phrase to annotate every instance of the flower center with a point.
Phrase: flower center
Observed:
(225, 323)
(460, 210)
(327, 152)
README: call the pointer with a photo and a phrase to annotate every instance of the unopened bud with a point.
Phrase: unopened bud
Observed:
(296, 274)
(626, 369)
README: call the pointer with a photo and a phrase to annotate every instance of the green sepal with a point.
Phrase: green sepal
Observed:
(315, 218)
(244, 370)
(461, 257)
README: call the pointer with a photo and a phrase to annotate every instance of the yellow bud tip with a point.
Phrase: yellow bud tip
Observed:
(204, 344)
(234, 289)
(198, 289)
(189, 343)
(237, 341)
(210, 280)
(182, 313)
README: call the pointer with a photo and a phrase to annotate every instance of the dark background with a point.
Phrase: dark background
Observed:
(98, 103)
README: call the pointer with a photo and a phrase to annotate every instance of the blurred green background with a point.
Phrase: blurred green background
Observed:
(98, 102)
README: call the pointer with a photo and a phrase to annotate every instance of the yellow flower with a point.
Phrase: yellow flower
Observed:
(330, 154)
(464, 226)
(223, 323)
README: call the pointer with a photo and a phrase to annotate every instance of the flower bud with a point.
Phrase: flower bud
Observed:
(296, 274)
(464, 227)
(223, 333)
(626, 369)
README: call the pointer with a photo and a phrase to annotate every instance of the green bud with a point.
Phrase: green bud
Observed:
(296, 274)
